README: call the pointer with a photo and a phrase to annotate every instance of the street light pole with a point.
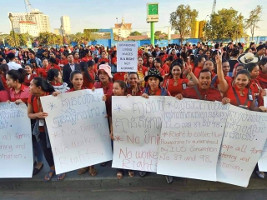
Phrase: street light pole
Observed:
(10, 16)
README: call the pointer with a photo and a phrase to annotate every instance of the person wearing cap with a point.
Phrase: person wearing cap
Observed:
(12, 64)
(153, 88)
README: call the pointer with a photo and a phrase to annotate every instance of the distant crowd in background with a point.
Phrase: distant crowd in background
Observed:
(229, 73)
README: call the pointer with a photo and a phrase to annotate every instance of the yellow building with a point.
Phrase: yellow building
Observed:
(197, 30)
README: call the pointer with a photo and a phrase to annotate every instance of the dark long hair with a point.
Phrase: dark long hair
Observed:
(1, 85)
(17, 75)
(84, 68)
(45, 86)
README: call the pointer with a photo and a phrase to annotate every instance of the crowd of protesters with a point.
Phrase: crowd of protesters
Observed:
(228, 73)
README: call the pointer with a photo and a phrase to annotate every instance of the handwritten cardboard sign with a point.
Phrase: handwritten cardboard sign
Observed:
(16, 156)
(78, 129)
(127, 56)
(263, 159)
(136, 129)
(243, 142)
(191, 136)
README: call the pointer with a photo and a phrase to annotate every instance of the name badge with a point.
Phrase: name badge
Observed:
(184, 86)
(41, 122)
(250, 97)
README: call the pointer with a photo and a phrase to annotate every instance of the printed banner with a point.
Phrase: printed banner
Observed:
(191, 136)
(78, 129)
(127, 56)
(136, 129)
(16, 155)
(243, 142)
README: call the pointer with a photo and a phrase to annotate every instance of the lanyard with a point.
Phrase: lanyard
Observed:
(238, 100)
(198, 93)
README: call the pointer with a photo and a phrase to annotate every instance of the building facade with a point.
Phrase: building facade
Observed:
(65, 25)
(25, 22)
(123, 30)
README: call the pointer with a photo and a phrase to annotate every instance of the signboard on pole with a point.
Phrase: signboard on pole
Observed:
(152, 12)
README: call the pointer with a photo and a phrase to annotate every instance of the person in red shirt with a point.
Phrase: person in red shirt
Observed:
(88, 56)
(76, 78)
(105, 82)
(87, 69)
(240, 94)
(53, 64)
(153, 79)
(157, 65)
(76, 57)
(42, 71)
(262, 78)
(150, 62)
(199, 65)
(63, 61)
(209, 64)
(120, 76)
(3, 93)
(104, 58)
(18, 92)
(174, 83)
(202, 91)
(255, 86)
(29, 75)
(134, 87)
(119, 89)
(3, 72)
(38, 88)
(54, 77)
(237, 68)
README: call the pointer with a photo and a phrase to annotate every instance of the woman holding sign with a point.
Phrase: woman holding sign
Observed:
(76, 78)
(39, 87)
(153, 79)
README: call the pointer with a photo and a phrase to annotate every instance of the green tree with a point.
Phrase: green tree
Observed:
(49, 39)
(226, 24)
(135, 33)
(183, 20)
(253, 19)
(160, 36)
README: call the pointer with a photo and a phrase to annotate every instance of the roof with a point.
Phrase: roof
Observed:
(175, 36)
(124, 26)
(138, 37)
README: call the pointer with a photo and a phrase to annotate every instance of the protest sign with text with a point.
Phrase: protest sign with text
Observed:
(136, 129)
(127, 56)
(191, 136)
(242, 145)
(78, 129)
(16, 156)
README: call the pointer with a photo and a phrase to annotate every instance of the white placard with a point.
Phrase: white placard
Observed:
(78, 129)
(127, 56)
(243, 142)
(16, 155)
(136, 129)
(263, 160)
(191, 135)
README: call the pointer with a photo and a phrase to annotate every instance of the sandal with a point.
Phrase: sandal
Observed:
(119, 175)
(131, 173)
(60, 177)
(49, 175)
(37, 170)
(92, 171)
(82, 170)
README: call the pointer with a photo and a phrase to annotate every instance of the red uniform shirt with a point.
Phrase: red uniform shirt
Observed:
(262, 78)
(142, 69)
(4, 96)
(106, 60)
(209, 94)
(166, 68)
(119, 76)
(53, 67)
(3, 78)
(233, 100)
(89, 84)
(42, 72)
(197, 71)
(139, 91)
(28, 79)
(174, 90)
(87, 58)
(23, 94)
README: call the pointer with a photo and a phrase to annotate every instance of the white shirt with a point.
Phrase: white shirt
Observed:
(72, 67)
(13, 65)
